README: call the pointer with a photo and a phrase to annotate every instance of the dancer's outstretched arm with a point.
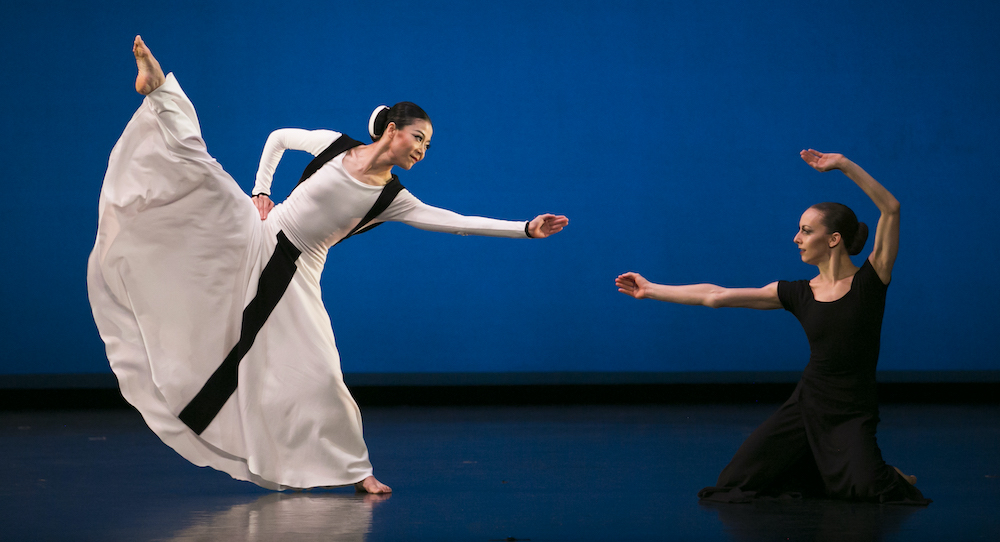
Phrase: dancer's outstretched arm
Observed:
(709, 295)
(886, 246)
(406, 208)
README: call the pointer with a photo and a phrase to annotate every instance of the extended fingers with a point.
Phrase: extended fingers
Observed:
(626, 283)
(554, 223)
(550, 228)
(549, 225)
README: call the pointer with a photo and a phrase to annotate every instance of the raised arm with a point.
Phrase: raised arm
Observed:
(709, 295)
(886, 245)
(312, 141)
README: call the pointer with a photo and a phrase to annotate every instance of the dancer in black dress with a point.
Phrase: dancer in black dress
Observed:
(821, 442)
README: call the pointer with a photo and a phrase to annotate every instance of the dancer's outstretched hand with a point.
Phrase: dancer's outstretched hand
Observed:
(632, 284)
(822, 161)
(263, 204)
(545, 225)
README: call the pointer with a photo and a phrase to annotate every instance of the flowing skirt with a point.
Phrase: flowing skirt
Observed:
(179, 255)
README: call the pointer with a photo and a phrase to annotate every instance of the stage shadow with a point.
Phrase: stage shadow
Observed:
(810, 519)
(288, 516)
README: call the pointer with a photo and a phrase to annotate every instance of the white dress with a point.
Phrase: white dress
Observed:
(176, 268)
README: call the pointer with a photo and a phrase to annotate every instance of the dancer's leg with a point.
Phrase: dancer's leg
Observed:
(150, 74)
(852, 466)
(775, 446)
(167, 99)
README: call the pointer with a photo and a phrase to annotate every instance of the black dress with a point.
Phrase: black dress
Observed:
(821, 442)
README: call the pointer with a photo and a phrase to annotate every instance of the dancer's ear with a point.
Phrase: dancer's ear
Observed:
(390, 131)
(835, 239)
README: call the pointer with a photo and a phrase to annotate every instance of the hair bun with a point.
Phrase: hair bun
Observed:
(378, 121)
(860, 238)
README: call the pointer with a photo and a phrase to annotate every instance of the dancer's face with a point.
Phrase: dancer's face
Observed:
(814, 242)
(410, 143)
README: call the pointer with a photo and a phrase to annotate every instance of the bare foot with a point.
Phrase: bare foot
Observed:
(150, 74)
(908, 477)
(371, 485)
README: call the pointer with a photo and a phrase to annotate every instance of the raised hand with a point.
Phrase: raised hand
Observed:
(822, 161)
(545, 225)
(632, 284)
(263, 204)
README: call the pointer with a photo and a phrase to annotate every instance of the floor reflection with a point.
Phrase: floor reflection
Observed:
(810, 519)
(289, 516)
(477, 474)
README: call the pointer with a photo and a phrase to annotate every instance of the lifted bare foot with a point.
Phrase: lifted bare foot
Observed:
(150, 75)
(908, 477)
(371, 485)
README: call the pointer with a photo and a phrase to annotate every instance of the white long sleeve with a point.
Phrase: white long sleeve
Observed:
(409, 210)
(312, 141)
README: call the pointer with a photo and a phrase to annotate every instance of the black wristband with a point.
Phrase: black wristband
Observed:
(526, 232)
(261, 194)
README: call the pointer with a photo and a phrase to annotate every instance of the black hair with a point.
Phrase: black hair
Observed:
(839, 218)
(402, 114)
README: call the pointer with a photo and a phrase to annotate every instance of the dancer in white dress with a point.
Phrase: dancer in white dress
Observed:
(209, 301)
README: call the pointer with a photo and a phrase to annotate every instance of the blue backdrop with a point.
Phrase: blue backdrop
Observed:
(667, 131)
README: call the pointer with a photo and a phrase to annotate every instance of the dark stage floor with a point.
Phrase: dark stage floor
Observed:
(625, 473)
